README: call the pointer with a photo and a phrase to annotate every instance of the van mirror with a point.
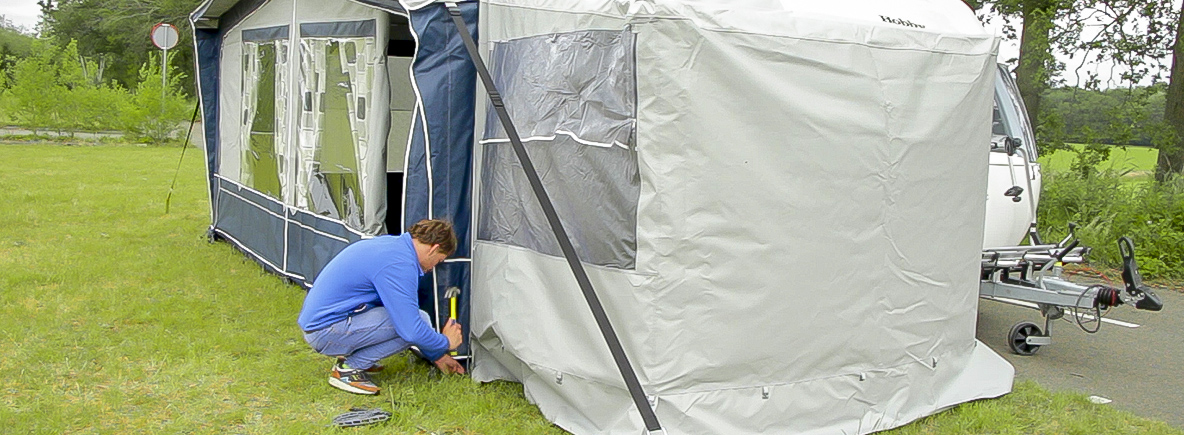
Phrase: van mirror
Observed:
(1011, 144)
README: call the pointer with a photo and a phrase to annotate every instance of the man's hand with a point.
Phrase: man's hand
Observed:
(447, 365)
(453, 332)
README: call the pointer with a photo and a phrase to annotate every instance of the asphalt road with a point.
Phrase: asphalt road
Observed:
(1138, 368)
(195, 138)
(11, 131)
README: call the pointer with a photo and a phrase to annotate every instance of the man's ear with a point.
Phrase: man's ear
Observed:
(435, 248)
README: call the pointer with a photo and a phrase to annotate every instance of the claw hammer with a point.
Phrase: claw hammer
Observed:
(451, 293)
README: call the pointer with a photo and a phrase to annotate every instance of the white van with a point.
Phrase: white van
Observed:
(1013, 181)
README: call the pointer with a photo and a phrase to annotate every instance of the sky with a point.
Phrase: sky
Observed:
(24, 13)
(21, 12)
(1075, 73)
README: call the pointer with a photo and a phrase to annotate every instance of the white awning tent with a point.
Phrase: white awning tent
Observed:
(779, 203)
(802, 213)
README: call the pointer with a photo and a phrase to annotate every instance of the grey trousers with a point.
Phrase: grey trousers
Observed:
(363, 339)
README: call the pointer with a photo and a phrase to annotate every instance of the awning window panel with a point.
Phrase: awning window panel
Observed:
(335, 78)
(572, 97)
(264, 138)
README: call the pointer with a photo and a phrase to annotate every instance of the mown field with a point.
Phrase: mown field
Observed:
(117, 317)
(1137, 160)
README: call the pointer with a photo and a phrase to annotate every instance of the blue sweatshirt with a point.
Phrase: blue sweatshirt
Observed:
(380, 271)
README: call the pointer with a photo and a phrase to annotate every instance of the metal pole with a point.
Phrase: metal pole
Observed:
(164, 71)
(632, 384)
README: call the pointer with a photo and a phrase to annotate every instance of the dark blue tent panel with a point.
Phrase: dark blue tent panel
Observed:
(439, 168)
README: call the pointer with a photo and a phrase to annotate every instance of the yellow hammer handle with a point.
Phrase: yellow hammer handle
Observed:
(452, 305)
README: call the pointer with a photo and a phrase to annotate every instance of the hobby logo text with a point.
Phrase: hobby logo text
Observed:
(901, 22)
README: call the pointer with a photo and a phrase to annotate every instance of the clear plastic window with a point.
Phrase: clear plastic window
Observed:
(261, 160)
(333, 125)
(572, 97)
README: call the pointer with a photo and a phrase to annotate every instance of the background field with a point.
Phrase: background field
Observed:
(116, 317)
(1132, 158)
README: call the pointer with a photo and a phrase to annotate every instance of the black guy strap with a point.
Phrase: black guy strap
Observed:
(569, 252)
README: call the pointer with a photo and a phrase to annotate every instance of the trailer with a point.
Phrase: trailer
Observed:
(1032, 273)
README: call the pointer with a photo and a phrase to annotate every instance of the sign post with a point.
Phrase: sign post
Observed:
(164, 36)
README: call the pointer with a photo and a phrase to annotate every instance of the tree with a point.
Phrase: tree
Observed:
(1131, 34)
(13, 39)
(1171, 151)
(35, 91)
(1138, 35)
(149, 114)
(1036, 63)
(116, 33)
(1134, 35)
(14, 45)
(50, 88)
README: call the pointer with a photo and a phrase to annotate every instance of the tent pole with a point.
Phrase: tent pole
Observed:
(577, 268)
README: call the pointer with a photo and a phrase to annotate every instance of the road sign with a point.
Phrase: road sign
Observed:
(165, 36)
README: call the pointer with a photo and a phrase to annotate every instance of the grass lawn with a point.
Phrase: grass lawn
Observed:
(1137, 160)
(116, 317)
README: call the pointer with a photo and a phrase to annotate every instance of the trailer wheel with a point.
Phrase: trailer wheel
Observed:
(1018, 338)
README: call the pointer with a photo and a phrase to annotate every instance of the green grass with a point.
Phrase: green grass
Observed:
(1137, 160)
(1032, 410)
(116, 317)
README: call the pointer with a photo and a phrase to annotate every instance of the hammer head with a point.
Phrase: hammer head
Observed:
(452, 292)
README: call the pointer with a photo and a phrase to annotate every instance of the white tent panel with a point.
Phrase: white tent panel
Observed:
(815, 192)
(233, 95)
(808, 225)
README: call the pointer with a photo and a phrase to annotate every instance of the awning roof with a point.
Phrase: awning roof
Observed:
(207, 15)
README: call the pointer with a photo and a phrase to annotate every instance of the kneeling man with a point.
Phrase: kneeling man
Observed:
(364, 305)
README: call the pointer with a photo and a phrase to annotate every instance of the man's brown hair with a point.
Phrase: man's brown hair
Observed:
(435, 232)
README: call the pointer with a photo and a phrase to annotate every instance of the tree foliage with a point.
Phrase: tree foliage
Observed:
(1107, 116)
(14, 45)
(1136, 36)
(13, 40)
(116, 33)
(1133, 37)
(1036, 64)
(51, 88)
(152, 115)
(56, 88)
